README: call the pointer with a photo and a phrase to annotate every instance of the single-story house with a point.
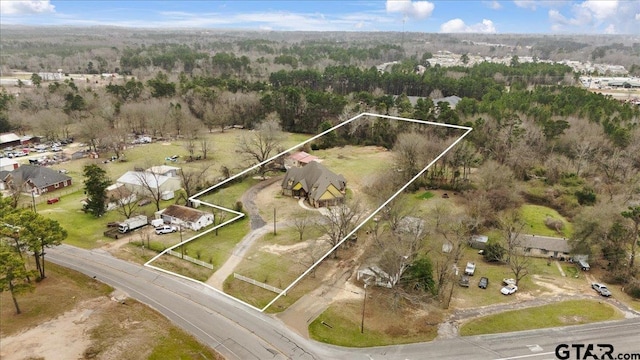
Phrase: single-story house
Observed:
(118, 194)
(314, 182)
(451, 100)
(165, 170)
(478, 241)
(7, 164)
(545, 246)
(140, 181)
(299, 159)
(185, 216)
(38, 179)
(374, 275)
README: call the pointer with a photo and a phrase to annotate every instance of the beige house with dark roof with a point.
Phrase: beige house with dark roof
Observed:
(314, 182)
(545, 246)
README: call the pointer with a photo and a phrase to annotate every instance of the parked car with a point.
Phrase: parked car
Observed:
(601, 289)
(464, 281)
(483, 283)
(509, 281)
(470, 269)
(165, 229)
(583, 265)
(509, 289)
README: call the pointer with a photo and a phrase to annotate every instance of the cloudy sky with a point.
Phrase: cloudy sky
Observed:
(475, 16)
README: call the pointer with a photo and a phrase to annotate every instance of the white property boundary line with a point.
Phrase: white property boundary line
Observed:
(240, 215)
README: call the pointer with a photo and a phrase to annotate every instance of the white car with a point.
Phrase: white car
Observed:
(509, 289)
(165, 229)
(509, 281)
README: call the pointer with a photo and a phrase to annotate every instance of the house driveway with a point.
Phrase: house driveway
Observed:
(258, 229)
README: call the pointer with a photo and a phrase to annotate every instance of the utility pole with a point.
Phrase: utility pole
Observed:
(364, 302)
(274, 221)
(33, 201)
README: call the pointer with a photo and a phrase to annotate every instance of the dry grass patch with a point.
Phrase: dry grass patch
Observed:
(71, 316)
(384, 322)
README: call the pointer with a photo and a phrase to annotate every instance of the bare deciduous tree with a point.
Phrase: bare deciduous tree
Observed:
(126, 201)
(512, 227)
(260, 144)
(149, 181)
(340, 220)
(193, 179)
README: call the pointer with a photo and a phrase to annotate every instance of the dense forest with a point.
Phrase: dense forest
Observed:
(537, 137)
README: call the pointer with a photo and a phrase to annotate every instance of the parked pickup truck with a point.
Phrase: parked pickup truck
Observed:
(470, 269)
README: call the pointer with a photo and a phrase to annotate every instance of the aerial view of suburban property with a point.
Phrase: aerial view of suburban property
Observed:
(399, 179)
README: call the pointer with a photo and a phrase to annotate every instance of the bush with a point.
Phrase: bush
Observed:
(554, 224)
(586, 196)
(494, 252)
(633, 290)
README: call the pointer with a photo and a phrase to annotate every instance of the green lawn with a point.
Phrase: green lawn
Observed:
(571, 312)
(535, 215)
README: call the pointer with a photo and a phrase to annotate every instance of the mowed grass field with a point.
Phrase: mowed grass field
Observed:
(573, 312)
(534, 216)
(87, 231)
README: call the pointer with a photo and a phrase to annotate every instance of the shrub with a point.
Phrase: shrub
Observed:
(554, 224)
(494, 252)
(586, 196)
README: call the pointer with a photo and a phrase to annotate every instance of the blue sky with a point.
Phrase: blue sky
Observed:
(472, 16)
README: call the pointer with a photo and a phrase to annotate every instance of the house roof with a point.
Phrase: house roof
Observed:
(183, 213)
(303, 157)
(8, 137)
(117, 191)
(140, 178)
(162, 169)
(545, 243)
(7, 161)
(452, 100)
(315, 179)
(40, 176)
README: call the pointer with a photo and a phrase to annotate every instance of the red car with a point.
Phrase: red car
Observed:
(53, 201)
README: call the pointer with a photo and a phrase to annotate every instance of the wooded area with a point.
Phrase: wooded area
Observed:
(538, 137)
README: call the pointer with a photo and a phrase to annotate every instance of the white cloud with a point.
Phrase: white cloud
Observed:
(601, 9)
(26, 7)
(611, 29)
(458, 26)
(597, 16)
(534, 4)
(412, 9)
(495, 4)
(527, 4)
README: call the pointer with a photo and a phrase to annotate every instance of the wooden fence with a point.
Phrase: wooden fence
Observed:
(258, 283)
(190, 259)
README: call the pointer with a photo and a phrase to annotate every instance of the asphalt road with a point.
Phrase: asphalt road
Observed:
(238, 332)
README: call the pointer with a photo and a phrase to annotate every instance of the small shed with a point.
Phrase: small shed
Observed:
(478, 241)
(7, 164)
